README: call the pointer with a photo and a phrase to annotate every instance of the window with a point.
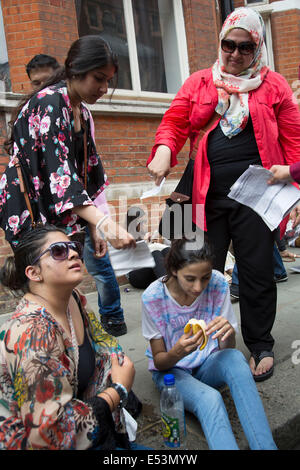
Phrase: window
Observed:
(147, 35)
(255, 2)
(266, 11)
(5, 84)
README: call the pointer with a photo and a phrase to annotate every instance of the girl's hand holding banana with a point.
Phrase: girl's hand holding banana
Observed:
(219, 327)
(197, 325)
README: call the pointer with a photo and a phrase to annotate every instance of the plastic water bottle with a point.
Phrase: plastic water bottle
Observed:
(172, 415)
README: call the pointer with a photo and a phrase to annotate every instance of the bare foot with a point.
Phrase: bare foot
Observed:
(252, 365)
(263, 366)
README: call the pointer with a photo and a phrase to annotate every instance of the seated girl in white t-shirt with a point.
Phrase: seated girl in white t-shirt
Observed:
(192, 289)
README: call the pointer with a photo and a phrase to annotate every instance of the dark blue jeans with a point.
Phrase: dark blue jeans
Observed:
(279, 269)
(109, 298)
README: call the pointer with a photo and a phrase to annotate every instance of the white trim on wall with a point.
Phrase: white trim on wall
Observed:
(181, 40)
(284, 5)
(274, 7)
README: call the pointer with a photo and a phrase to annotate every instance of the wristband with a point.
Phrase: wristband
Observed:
(123, 394)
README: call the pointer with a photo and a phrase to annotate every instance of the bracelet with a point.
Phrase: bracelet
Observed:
(98, 229)
(100, 222)
(113, 404)
(122, 392)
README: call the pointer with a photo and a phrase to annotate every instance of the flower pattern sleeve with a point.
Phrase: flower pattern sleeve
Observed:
(44, 133)
(44, 144)
(41, 375)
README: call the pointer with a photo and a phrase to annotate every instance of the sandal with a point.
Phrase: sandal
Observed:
(258, 356)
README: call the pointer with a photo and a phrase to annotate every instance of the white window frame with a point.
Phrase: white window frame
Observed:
(253, 5)
(266, 10)
(136, 91)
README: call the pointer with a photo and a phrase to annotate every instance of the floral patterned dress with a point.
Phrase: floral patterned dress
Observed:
(38, 409)
(45, 145)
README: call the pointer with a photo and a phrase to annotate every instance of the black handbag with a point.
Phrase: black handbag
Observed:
(176, 221)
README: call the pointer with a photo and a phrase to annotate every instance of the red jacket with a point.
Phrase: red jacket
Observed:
(275, 116)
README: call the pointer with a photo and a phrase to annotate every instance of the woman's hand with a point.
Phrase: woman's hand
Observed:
(161, 164)
(281, 174)
(123, 374)
(295, 216)
(100, 245)
(222, 330)
(187, 344)
(116, 235)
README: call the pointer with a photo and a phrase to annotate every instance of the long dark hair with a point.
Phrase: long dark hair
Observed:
(183, 252)
(12, 274)
(87, 53)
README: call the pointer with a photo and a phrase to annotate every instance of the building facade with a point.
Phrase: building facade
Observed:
(159, 44)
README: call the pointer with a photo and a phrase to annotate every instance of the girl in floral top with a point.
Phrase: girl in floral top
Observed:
(62, 377)
(47, 138)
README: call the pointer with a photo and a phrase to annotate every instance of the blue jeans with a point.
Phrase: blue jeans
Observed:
(109, 298)
(201, 397)
(279, 269)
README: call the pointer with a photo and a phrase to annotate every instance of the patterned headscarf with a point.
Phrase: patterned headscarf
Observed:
(233, 90)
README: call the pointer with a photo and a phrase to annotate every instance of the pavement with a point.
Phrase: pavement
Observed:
(280, 394)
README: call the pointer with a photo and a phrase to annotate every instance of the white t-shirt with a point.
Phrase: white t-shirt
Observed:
(163, 317)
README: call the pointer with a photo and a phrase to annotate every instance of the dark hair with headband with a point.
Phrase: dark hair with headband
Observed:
(12, 274)
(86, 54)
(184, 252)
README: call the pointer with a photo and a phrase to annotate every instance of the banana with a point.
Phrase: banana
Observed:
(197, 325)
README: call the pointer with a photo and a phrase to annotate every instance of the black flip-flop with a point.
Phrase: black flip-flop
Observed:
(258, 356)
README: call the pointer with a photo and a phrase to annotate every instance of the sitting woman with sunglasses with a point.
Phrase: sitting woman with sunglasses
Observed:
(252, 119)
(63, 379)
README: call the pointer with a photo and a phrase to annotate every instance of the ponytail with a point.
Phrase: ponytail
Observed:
(12, 274)
(10, 277)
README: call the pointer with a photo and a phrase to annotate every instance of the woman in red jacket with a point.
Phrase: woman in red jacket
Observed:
(259, 124)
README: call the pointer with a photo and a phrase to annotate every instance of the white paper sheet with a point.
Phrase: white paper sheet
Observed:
(153, 191)
(124, 261)
(295, 269)
(271, 202)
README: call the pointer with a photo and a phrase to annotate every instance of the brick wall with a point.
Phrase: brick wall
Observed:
(32, 27)
(202, 28)
(286, 43)
(125, 143)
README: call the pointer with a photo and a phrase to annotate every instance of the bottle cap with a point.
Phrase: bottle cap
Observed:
(169, 379)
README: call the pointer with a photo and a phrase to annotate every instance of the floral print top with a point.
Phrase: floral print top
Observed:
(38, 409)
(45, 144)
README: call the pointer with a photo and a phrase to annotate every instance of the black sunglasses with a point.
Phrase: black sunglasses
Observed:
(245, 48)
(60, 250)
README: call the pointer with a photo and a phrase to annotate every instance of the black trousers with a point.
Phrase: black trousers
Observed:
(253, 245)
(142, 278)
